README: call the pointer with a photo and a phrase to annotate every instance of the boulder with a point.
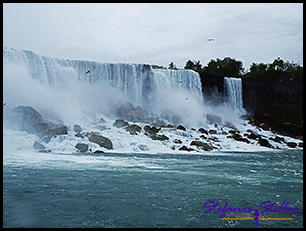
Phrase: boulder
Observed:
(184, 148)
(204, 146)
(102, 141)
(133, 129)
(212, 119)
(238, 137)
(25, 116)
(61, 130)
(82, 147)
(253, 136)
(292, 144)
(98, 151)
(203, 131)
(264, 142)
(151, 130)
(177, 141)
(119, 123)
(181, 127)
(38, 145)
(77, 128)
(79, 135)
(212, 131)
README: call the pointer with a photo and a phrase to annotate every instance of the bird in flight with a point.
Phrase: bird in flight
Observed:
(87, 72)
(4, 104)
(210, 39)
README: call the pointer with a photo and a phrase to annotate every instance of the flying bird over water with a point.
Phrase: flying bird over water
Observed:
(179, 81)
(186, 98)
(4, 104)
(210, 40)
(87, 72)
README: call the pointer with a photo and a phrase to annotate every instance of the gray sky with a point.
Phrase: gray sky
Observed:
(157, 33)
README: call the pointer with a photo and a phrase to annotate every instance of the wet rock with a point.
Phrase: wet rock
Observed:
(151, 130)
(253, 136)
(79, 135)
(238, 137)
(119, 123)
(300, 144)
(38, 145)
(102, 141)
(292, 144)
(212, 131)
(82, 147)
(133, 129)
(204, 146)
(181, 127)
(61, 130)
(159, 137)
(177, 141)
(264, 142)
(277, 139)
(77, 128)
(25, 116)
(203, 131)
(98, 151)
(184, 148)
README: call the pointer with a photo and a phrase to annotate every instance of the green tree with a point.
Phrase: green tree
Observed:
(228, 67)
(189, 65)
(172, 66)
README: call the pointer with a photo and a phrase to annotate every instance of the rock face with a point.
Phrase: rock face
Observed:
(102, 141)
(82, 147)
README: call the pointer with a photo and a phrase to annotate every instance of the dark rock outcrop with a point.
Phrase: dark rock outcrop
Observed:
(133, 129)
(181, 127)
(184, 148)
(292, 144)
(82, 147)
(102, 141)
(264, 142)
(204, 146)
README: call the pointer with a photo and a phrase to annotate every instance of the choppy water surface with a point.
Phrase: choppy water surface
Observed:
(148, 190)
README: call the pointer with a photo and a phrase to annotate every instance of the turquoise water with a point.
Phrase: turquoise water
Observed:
(150, 190)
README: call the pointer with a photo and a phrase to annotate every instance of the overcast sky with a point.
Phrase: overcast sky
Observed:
(157, 33)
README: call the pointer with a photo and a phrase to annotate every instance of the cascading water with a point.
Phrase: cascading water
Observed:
(136, 83)
(233, 90)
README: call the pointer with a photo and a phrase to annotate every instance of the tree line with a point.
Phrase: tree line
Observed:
(233, 68)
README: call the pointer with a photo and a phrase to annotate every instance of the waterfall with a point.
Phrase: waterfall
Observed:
(138, 84)
(233, 90)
